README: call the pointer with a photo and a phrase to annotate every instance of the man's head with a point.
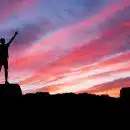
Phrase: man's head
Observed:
(2, 40)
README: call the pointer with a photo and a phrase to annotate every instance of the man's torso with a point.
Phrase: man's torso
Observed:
(4, 52)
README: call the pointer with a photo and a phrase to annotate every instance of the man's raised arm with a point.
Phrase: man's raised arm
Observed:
(16, 33)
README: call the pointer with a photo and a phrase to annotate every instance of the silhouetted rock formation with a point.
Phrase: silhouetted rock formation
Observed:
(125, 93)
(9, 91)
(63, 107)
(10, 95)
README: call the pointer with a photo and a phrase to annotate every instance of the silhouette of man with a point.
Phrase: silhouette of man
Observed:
(4, 55)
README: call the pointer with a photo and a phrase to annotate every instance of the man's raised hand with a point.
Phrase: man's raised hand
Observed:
(16, 33)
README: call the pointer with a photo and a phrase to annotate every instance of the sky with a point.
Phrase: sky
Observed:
(68, 46)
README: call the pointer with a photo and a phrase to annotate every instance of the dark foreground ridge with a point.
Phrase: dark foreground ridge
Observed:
(63, 107)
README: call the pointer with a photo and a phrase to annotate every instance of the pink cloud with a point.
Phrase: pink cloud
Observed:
(75, 53)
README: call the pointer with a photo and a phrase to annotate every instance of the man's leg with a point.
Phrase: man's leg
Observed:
(6, 71)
